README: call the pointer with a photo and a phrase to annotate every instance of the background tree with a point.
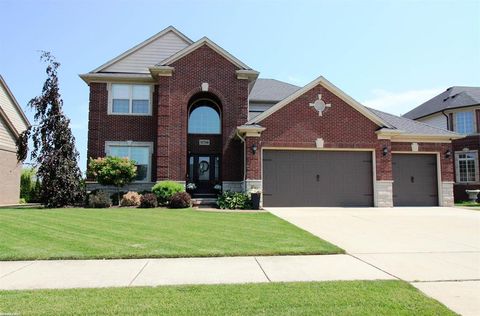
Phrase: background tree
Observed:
(53, 152)
(113, 171)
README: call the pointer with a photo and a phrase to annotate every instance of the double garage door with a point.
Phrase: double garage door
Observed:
(342, 178)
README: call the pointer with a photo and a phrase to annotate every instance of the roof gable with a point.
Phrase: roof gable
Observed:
(10, 110)
(149, 52)
(203, 41)
(329, 86)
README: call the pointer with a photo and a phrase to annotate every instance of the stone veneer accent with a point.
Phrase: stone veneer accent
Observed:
(383, 193)
(235, 186)
(137, 187)
(447, 194)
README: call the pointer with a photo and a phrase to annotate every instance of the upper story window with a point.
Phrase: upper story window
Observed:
(464, 123)
(138, 152)
(130, 99)
(466, 164)
(204, 119)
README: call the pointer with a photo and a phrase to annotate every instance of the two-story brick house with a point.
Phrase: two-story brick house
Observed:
(457, 109)
(191, 112)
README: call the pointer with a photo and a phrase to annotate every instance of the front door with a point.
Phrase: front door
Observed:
(204, 171)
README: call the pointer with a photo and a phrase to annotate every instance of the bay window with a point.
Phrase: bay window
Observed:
(130, 99)
(139, 152)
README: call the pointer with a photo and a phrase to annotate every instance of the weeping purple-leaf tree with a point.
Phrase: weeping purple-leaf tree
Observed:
(53, 151)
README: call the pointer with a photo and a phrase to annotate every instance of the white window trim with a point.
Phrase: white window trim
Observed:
(474, 121)
(110, 99)
(457, 165)
(134, 144)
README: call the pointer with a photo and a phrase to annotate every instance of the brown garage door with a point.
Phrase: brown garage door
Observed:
(317, 178)
(415, 180)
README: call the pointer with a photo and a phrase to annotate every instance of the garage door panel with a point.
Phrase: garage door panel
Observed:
(317, 178)
(415, 180)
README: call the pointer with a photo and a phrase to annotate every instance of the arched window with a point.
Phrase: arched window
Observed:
(204, 119)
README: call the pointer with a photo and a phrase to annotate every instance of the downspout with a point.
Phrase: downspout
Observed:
(448, 123)
(244, 157)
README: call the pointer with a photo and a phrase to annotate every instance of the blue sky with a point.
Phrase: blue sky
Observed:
(391, 55)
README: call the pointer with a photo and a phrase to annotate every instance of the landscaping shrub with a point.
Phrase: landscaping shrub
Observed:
(180, 200)
(115, 197)
(164, 191)
(99, 199)
(114, 171)
(130, 199)
(233, 200)
(148, 200)
(29, 186)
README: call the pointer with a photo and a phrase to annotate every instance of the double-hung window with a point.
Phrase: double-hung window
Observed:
(464, 123)
(131, 99)
(138, 152)
(467, 166)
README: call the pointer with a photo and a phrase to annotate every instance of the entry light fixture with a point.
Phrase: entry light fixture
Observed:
(254, 149)
(448, 154)
(385, 151)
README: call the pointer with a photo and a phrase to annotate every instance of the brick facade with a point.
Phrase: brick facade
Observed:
(296, 125)
(103, 127)
(175, 94)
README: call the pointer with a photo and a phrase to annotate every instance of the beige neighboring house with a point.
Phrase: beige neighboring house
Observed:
(12, 122)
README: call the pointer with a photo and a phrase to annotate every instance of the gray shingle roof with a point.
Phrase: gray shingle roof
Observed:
(454, 97)
(271, 90)
(410, 126)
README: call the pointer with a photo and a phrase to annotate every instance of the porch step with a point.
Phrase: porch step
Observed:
(202, 202)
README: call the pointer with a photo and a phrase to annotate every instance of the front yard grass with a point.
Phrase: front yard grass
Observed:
(314, 298)
(28, 234)
(467, 203)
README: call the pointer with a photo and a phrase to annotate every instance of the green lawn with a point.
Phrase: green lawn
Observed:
(138, 233)
(316, 298)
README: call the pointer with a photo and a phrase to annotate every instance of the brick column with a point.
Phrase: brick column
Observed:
(383, 186)
(163, 125)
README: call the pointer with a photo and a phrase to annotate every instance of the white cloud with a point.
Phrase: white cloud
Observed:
(399, 102)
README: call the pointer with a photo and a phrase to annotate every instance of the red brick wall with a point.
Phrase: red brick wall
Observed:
(341, 126)
(201, 65)
(445, 163)
(103, 127)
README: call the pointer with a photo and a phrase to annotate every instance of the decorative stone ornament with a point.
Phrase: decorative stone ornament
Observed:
(205, 86)
(414, 146)
(319, 142)
(320, 105)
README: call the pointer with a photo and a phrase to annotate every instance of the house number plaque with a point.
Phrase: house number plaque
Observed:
(204, 142)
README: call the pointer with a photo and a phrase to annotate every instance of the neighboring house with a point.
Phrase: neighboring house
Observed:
(191, 112)
(457, 109)
(12, 122)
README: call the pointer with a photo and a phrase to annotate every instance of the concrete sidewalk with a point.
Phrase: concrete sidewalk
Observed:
(17, 275)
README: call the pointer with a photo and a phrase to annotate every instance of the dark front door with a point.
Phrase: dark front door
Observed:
(317, 178)
(414, 180)
(204, 171)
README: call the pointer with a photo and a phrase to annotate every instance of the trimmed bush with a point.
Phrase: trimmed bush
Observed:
(130, 199)
(29, 186)
(148, 200)
(99, 199)
(164, 191)
(180, 200)
(233, 200)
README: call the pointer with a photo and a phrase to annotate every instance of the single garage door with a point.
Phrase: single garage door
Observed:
(317, 178)
(415, 180)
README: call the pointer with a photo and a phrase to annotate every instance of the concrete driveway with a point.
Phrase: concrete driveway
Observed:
(435, 249)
